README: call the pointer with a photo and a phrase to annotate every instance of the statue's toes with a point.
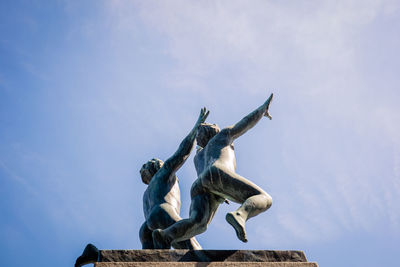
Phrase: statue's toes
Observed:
(237, 224)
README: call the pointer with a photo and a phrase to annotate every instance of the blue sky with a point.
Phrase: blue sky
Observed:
(90, 90)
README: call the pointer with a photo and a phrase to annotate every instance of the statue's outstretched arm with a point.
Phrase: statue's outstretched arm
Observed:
(183, 152)
(249, 121)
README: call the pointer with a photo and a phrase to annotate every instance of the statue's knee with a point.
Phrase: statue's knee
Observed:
(268, 201)
(203, 227)
(200, 223)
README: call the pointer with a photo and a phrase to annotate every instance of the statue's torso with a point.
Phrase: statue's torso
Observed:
(218, 152)
(162, 190)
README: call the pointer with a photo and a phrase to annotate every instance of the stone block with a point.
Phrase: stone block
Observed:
(206, 264)
(193, 258)
(184, 255)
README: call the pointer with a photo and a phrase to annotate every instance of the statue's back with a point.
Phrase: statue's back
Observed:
(163, 188)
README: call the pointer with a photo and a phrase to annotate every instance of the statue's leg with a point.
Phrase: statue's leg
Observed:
(146, 237)
(202, 210)
(236, 188)
(164, 216)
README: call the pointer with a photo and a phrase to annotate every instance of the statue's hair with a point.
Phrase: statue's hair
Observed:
(206, 132)
(152, 166)
(155, 164)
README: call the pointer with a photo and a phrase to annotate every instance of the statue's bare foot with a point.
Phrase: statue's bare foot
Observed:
(234, 219)
(159, 240)
(90, 255)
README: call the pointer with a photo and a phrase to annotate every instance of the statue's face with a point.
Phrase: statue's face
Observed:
(205, 133)
(149, 169)
(146, 174)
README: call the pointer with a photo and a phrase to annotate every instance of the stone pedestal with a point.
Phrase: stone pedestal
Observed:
(206, 264)
(202, 258)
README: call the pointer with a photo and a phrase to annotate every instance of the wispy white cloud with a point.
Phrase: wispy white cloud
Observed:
(141, 70)
(16, 178)
(311, 51)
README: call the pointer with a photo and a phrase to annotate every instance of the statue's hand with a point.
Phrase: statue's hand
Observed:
(203, 116)
(266, 105)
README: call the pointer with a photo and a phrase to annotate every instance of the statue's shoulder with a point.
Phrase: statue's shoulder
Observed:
(163, 172)
(164, 176)
(223, 138)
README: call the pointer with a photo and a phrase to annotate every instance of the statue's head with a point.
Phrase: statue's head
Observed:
(149, 169)
(205, 133)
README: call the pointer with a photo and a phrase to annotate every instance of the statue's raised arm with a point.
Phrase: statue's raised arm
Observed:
(183, 152)
(161, 199)
(250, 120)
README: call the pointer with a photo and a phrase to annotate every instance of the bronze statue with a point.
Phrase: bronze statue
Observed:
(217, 181)
(161, 200)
